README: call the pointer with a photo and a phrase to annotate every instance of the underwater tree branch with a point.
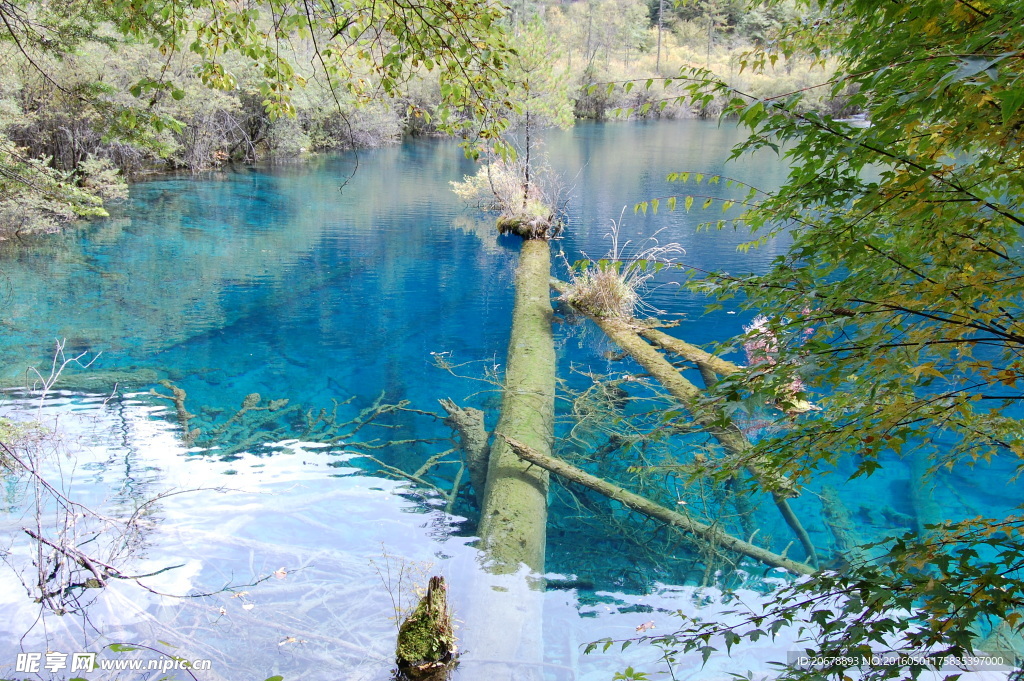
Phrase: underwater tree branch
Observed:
(649, 508)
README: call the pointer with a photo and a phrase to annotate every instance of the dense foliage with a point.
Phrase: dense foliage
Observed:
(197, 83)
(899, 306)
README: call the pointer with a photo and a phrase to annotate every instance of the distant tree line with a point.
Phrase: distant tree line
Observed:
(95, 94)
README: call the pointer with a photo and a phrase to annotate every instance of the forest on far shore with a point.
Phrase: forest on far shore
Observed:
(85, 107)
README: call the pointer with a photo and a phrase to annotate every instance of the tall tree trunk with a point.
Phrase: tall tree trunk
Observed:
(661, 11)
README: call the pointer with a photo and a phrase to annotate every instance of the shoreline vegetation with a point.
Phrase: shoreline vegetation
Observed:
(63, 155)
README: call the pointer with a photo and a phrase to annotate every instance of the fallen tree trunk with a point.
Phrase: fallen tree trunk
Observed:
(702, 358)
(515, 505)
(732, 439)
(729, 436)
(504, 625)
(710, 533)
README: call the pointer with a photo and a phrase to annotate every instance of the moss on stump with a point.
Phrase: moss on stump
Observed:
(426, 640)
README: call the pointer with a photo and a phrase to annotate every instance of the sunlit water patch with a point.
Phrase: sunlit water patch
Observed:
(301, 559)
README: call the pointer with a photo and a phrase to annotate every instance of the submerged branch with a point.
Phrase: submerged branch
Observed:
(469, 424)
(651, 509)
(626, 336)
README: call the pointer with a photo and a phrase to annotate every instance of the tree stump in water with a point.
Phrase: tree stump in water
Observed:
(426, 648)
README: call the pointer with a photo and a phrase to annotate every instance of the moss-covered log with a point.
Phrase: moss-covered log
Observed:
(178, 397)
(426, 639)
(527, 227)
(710, 533)
(514, 517)
(504, 624)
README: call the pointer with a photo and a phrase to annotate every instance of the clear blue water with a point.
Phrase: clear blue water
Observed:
(274, 281)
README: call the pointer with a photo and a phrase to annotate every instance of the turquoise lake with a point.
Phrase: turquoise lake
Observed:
(365, 302)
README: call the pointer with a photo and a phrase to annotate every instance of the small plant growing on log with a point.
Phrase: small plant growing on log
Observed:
(612, 286)
(527, 198)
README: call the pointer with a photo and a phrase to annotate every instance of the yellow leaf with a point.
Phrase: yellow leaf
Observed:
(928, 369)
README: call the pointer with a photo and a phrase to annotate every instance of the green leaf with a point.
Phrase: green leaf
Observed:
(1010, 103)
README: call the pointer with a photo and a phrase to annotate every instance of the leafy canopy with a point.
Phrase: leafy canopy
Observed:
(366, 47)
(357, 50)
(906, 233)
(906, 260)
